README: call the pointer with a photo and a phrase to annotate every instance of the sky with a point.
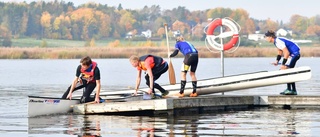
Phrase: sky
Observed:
(277, 10)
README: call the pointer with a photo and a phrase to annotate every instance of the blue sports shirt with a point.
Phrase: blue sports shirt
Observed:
(292, 47)
(185, 47)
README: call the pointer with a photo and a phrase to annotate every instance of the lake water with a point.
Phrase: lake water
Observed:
(21, 78)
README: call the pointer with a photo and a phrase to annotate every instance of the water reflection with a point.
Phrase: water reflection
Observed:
(258, 122)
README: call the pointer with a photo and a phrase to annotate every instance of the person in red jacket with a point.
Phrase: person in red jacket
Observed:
(154, 66)
(87, 77)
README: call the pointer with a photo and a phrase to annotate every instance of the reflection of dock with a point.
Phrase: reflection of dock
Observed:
(172, 106)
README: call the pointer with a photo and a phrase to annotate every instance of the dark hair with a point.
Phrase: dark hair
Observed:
(86, 61)
(270, 33)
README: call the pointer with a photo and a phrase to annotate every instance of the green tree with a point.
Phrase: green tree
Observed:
(219, 13)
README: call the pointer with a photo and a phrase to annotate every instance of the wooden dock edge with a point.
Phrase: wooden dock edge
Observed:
(214, 103)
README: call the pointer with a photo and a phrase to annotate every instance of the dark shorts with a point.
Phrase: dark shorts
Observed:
(190, 60)
(294, 60)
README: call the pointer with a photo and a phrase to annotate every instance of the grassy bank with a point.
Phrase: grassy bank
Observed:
(125, 52)
(29, 48)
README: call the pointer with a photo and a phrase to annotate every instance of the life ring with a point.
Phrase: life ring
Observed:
(234, 33)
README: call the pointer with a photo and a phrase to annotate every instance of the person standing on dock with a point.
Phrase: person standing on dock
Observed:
(286, 48)
(154, 66)
(87, 77)
(190, 60)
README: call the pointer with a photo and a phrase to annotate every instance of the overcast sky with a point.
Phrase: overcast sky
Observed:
(273, 9)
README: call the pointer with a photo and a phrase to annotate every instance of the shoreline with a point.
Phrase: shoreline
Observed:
(126, 52)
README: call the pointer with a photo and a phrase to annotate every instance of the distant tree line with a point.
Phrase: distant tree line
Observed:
(62, 20)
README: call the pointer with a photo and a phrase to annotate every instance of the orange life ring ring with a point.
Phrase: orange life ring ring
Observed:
(219, 22)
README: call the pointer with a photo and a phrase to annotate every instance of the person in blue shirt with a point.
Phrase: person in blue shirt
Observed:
(286, 48)
(190, 60)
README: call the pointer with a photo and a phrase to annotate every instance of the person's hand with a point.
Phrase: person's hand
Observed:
(69, 95)
(150, 91)
(135, 93)
(97, 100)
(275, 63)
(283, 67)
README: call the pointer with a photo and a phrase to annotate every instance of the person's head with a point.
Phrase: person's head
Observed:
(85, 62)
(134, 60)
(270, 35)
(179, 38)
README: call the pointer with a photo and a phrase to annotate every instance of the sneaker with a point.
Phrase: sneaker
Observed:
(290, 92)
(282, 93)
(295, 92)
(165, 93)
(180, 95)
(153, 96)
(193, 95)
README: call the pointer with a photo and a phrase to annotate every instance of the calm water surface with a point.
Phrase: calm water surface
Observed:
(20, 78)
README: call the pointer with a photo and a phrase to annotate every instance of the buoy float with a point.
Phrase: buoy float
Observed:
(234, 32)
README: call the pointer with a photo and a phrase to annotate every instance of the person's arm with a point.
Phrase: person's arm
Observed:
(278, 58)
(149, 71)
(98, 84)
(286, 55)
(175, 53)
(97, 99)
(138, 80)
(73, 85)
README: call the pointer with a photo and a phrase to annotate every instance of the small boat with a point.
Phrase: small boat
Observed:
(39, 106)
(236, 82)
(48, 105)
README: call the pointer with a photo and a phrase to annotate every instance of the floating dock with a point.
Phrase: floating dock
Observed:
(200, 104)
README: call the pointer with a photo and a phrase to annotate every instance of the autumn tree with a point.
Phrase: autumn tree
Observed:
(46, 24)
(268, 25)
(298, 24)
(161, 32)
(104, 24)
(198, 16)
(313, 30)
(5, 34)
(126, 20)
(181, 26)
(241, 16)
(197, 31)
(159, 24)
(86, 21)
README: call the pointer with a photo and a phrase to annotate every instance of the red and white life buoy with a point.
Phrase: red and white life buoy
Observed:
(234, 32)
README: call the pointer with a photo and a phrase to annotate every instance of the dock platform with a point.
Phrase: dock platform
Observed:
(200, 104)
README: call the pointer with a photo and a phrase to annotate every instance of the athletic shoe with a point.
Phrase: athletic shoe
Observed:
(295, 92)
(282, 93)
(165, 93)
(290, 92)
(153, 96)
(180, 95)
(193, 95)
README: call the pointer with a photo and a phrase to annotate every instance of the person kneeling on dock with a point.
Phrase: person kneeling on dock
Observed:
(87, 77)
(154, 66)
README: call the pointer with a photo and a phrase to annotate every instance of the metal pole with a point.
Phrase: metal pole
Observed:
(222, 55)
